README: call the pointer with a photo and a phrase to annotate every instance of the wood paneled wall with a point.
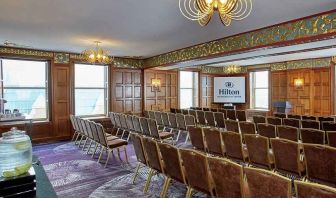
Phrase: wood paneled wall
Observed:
(126, 91)
(207, 94)
(314, 98)
(167, 96)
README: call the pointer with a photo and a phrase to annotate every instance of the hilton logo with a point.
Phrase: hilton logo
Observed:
(229, 84)
(228, 91)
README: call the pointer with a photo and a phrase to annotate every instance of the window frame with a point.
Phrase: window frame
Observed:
(106, 89)
(46, 88)
(253, 88)
(194, 89)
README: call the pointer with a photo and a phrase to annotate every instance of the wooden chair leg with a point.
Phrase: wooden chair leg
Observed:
(73, 136)
(136, 172)
(187, 138)
(165, 187)
(101, 154)
(78, 134)
(126, 156)
(178, 135)
(189, 192)
(108, 157)
(149, 178)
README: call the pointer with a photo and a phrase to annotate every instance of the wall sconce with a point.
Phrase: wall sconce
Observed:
(333, 59)
(156, 83)
(298, 83)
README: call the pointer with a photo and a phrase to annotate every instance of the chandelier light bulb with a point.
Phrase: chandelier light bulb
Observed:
(223, 1)
(208, 1)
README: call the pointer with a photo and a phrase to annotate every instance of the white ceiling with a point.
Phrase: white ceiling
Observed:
(131, 27)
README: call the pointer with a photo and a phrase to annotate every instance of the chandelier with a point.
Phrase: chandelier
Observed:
(232, 69)
(97, 55)
(228, 10)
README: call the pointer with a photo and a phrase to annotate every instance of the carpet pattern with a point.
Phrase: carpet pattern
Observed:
(73, 173)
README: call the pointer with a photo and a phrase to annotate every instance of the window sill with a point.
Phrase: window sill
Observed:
(264, 110)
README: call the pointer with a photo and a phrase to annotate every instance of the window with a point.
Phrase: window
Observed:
(25, 87)
(188, 89)
(90, 90)
(259, 89)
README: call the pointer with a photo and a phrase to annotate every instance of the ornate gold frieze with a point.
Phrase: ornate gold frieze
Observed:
(219, 70)
(61, 58)
(301, 64)
(25, 52)
(291, 31)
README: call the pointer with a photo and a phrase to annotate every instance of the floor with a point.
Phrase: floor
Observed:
(74, 173)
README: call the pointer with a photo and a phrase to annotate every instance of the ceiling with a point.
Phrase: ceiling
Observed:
(131, 27)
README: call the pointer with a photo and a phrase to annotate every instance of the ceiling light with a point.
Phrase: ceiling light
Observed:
(97, 55)
(228, 10)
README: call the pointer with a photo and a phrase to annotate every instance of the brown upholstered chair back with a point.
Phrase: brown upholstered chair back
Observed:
(280, 115)
(189, 120)
(111, 115)
(288, 132)
(138, 148)
(101, 134)
(233, 145)
(152, 154)
(219, 118)
(170, 157)
(146, 114)
(172, 120)
(193, 113)
(178, 111)
(206, 109)
(180, 119)
(117, 120)
(325, 119)
(214, 110)
(136, 124)
(247, 127)
(241, 115)
(266, 184)
(144, 126)
(165, 119)
(231, 114)
(274, 121)
(196, 174)
(312, 136)
(88, 128)
(94, 131)
(185, 111)
(223, 111)
(196, 137)
(213, 141)
(232, 125)
(320, 162)
(286, 155)
(307, 189)
(201, 117)
(291, 122)
(227, 177)
(154, 132)
(331, 137)
(259, 119)
(123, 121)
(158, 118)
(310, 124)
(151, 114)
(129, 122)
(306, 117)
(298, 117)
(329, 126)
(267, 130)
(258, 149)
(209, 116)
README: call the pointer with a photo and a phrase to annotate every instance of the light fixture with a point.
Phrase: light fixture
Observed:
(156, 83)
(232, 69)
(333, 59)
(97, 55)
(298, 83)
(228, 10)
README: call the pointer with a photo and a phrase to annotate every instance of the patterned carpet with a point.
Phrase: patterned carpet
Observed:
(74, 173)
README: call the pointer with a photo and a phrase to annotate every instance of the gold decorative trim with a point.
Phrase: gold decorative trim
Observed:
(25, 52)
(333, 59)
(291, 31)
(301, 64)
(219, 70)
(61, 58)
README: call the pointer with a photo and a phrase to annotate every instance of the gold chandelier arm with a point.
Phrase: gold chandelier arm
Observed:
(189, 10)
(205, 20)
(242, 10)
(228, 6)
(203, 7)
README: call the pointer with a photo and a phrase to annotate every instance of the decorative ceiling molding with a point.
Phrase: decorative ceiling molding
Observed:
(25, 52)
(323, 25)
(300, 64)
(219, 70)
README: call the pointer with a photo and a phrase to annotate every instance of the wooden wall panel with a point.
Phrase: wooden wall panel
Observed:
(207, 91)
(126, 91)
(167, 96)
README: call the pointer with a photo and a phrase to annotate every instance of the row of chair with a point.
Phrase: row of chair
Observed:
(217, 177)
(304, 117)
(89, 131)
(284, 156)
(327, 124)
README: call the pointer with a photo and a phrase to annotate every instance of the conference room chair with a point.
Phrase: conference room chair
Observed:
(139, 153)
(205, 109)
(136, 124)
(213, 141)
(310, 190)
(310, 124)
(196, 174)
(153, 159)
(124, 126)
(178, 110)
(81, 134)
(231, 114)
(322, 119)
(173, 110)
(165, 121)
(201, 117)
(185, 111)
(172, 168)
(232, 125)
(288, 132)
(92, 135)
(85, 133)
(258, 119)
(129, 123)
(181, 125)
(307, 117)
(159, 135)
(173, 122)
(331, 138)
(267, 130)
(287, 157)
(266, 184)
(95, 138)
(193, 113)
(247, 127)
(227, 177)
(320, 163)
(258, 150)
(197, 138)
(329, 126)
(151, 114)
(144, 126)
(233, 146)
(220, 120)
(280, 115)
(214, 110)
(293, 122)
(224, 111)
(74, 127)
(294, 116)
(312, 136)
(210, 119)
(198, 108)
(189, 121)
(274, 121)
(241, 115)
(118, 123)
(146, 114)
(158, 118)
